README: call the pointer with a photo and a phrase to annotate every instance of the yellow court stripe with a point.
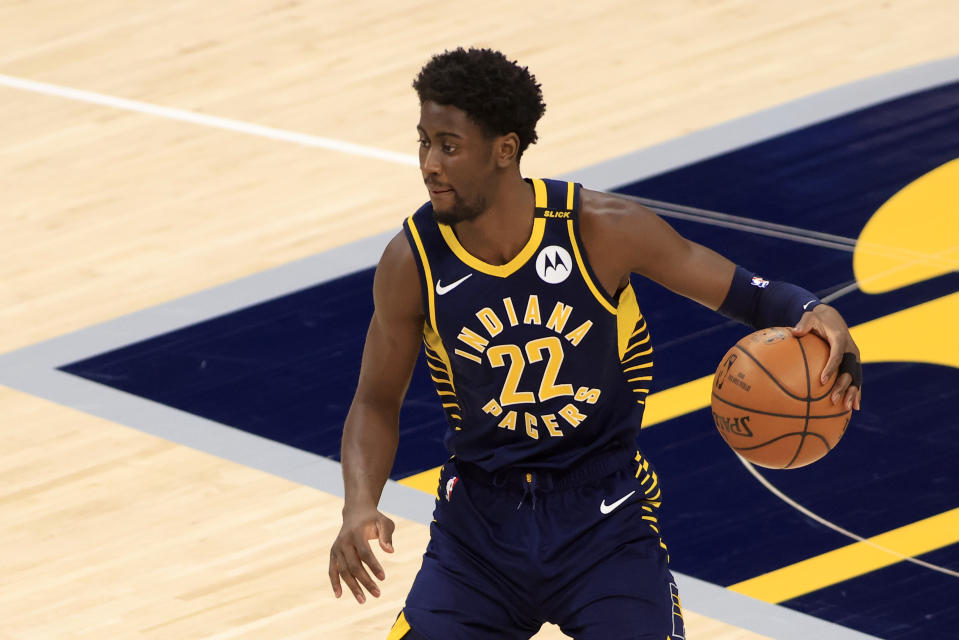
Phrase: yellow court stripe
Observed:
(891, 338)
(677, 401)
(426, 481)
(853, 560)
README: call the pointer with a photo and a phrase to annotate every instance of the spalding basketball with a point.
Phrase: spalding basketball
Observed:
(768, 403)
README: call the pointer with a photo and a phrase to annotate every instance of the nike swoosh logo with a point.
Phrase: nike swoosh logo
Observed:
(807, 304)
(440, 289)
(607, 508)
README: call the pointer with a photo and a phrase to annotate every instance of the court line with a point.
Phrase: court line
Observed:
(215, 122)
(853, 560)
(758, 227)
(763, 125)
(795, 234)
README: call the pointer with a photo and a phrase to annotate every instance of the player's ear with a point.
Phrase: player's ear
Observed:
(505, 149)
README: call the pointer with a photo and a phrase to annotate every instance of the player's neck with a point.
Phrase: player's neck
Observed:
(498, 234)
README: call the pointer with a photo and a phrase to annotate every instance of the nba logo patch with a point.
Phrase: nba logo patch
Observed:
(759, 282)
(449, 486)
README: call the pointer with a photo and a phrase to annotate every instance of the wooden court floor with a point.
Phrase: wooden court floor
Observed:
(114, 207)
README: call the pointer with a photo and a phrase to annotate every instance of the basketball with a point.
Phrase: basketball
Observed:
(768, 403)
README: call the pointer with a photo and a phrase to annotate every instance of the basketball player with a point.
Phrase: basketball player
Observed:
(520, 291)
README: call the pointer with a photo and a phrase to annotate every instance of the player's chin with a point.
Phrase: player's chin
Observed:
(452, 215)
(445, 216)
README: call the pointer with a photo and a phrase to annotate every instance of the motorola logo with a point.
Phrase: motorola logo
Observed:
(554, 264)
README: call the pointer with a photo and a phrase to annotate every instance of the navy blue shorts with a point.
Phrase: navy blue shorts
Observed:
(513, 550)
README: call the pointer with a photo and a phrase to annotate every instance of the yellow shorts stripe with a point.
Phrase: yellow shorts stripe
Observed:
(400, 627)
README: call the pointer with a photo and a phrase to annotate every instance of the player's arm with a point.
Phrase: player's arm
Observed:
(623, 237)
(371, 431)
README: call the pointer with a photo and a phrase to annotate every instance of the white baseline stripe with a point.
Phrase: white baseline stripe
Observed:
(766, 124)
(207, 120)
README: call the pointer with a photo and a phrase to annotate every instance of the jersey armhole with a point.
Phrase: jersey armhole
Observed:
(423, 269)
(579, 249)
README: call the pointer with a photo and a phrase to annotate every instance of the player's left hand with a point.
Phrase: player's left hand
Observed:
(826, 323)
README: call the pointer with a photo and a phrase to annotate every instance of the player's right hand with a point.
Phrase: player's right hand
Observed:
(351, 550)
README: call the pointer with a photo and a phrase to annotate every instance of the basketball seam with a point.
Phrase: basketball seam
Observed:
(779, 415)
(785, 435)
(805, 424)
(771, 376)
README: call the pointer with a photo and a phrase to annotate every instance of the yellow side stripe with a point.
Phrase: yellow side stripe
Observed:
(570, 191)
(637, 355)
(433, 355)
(435, 368)
(643, 340)
(432, 340)
(854, 559)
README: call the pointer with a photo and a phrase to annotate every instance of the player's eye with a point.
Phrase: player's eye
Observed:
(423, 142)
(449, 148)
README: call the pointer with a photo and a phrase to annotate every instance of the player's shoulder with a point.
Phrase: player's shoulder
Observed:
(607, 207)
(396, 284)
(398, 255)
(607, 216)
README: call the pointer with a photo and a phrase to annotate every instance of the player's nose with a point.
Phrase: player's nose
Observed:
(429, 162)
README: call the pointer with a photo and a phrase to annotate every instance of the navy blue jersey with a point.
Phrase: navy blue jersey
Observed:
(535, 365)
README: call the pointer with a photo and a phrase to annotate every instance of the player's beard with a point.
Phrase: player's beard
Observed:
(461, 211)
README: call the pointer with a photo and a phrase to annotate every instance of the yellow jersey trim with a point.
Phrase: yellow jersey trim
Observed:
(426, 271)
(539, 191)
(570, 193)
(501, 270)
(521, 258)
(582, 269)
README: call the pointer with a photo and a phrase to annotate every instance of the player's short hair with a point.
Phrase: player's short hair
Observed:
(495, 92)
